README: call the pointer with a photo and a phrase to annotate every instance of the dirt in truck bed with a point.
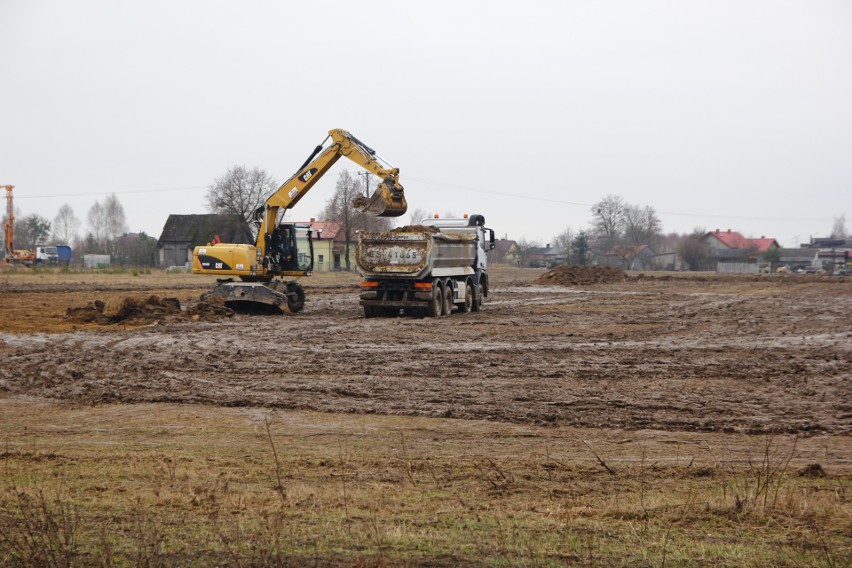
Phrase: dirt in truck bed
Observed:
(755, 355)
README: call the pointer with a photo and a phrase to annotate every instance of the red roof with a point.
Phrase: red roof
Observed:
(330, 229)
(734, 240)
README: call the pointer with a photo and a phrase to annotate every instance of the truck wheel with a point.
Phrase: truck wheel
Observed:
(448, 299)
(468, 298)
(436, 304)
(477, 299)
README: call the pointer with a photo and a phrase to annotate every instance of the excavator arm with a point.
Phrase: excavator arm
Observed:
(387, 201)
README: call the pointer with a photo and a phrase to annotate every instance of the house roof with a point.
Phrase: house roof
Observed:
(796, 254)
(201, 229)
(735, 240)
(330, 229)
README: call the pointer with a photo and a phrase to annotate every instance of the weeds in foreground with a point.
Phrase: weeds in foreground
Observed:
(361, 499)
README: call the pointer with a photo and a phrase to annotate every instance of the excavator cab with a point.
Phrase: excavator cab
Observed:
(282, 250)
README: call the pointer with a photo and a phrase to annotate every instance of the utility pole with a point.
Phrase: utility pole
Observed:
(366, 182)
(8, 226)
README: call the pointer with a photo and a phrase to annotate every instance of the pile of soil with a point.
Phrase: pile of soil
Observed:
(416, 229)
(211, 308)
(124, 309)
(572, 275)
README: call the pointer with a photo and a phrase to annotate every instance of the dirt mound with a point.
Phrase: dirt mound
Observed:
(415, 229)
(124, 309)
(572, 275)
(211, 308)
(127, 309)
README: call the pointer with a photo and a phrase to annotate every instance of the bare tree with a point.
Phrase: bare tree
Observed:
(115, 221)
(838, 231)
(417, 215)
(562, 242)
(339, 209)
(65, 226)
(693, 251)
(96, 234)
(241, 191)
(641, 225)
(608, 222)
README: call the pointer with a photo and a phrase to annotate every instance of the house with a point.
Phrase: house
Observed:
(732, 247)
(797, 258)
(182, 233)
(542, 257)
(631, 257)
(832, 253)
(504, 251)
(329, 242)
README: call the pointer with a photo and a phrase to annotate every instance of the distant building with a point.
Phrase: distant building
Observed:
(182, 233)
(505, 251)
(832, 253)
(543, 257)
(631, 257)
(732, 247)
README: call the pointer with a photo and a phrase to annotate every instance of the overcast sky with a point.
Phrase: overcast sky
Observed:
(719, 114)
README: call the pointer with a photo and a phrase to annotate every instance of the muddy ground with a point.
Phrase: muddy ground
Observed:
(726, 354)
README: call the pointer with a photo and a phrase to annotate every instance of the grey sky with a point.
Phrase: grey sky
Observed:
(718, 114)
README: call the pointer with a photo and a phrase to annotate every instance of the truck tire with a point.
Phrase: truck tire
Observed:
(468, 298)
(447, 308)
(436, 304)
(477, 298)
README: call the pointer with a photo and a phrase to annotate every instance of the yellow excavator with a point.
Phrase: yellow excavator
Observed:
(263, 267)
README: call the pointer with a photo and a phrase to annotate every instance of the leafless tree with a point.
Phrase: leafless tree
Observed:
(838, 231)
(241, 191)
(563, 241)
(641, 225)
(607, 222)
(97, 229)
(115, 223)
(417, 215)
(693, 251)
(339, 209)
(65, 226)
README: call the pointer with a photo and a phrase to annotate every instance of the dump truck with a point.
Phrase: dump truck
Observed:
(428, 269)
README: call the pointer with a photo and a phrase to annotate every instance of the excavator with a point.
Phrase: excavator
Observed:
(263, 267)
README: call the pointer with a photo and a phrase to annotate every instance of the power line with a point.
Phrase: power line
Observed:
(578, 204)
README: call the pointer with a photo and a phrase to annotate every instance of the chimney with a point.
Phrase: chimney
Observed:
(313, 220)
(729, 230)
(548, 245)
(717, 230)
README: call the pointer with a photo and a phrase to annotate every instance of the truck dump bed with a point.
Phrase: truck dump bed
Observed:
(416, 252)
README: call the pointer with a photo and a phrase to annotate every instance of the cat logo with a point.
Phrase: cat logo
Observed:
(307, 175)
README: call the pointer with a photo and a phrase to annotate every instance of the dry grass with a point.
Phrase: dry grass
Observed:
(163, 485)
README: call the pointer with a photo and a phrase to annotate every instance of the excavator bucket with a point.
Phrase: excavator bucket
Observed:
(385, 202)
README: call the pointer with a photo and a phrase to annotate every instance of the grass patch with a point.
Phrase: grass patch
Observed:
(165, 485)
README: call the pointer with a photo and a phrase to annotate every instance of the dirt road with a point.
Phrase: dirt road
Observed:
(753, 355)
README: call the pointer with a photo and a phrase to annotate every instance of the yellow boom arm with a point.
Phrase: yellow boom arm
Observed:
(387, 201)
